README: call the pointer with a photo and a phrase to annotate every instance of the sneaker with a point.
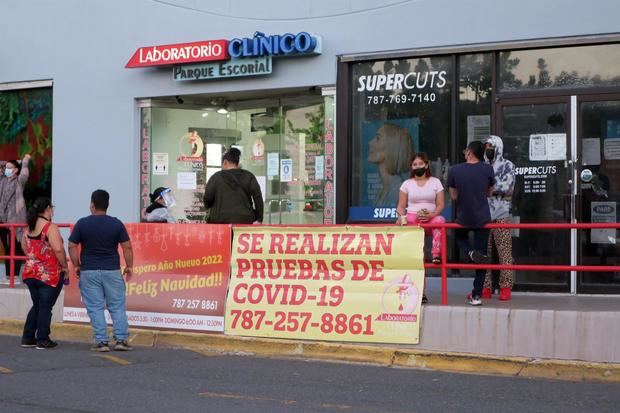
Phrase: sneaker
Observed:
(474, 300)
(28, 343)
(504, 294)
(486, 293)
(44, 345)
(122, 345)
(478, 257)
(101, 347)
(436, 260)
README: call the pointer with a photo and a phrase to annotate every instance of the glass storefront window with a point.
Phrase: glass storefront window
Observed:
(560, 68)
(599, 187)
(282, 142)
(475, 88)
(399, 107)
(26, 127)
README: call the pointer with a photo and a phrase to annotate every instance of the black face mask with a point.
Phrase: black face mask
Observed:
(419, 171)
(490, 153)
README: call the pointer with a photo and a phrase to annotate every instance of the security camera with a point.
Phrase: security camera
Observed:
(179, 99)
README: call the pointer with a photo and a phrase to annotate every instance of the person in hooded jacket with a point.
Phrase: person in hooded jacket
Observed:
(233, 195)
(158, 210)
(500, 203)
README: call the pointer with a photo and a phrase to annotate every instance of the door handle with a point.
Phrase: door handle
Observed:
(271, 201)
(567, 208)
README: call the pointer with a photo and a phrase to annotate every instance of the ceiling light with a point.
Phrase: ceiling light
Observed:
(204, 115)
(222, 111)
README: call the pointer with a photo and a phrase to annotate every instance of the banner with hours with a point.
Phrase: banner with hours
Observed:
(180, 278)
(351, 283)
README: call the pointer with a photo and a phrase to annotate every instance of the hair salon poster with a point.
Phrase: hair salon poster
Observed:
(384, 165)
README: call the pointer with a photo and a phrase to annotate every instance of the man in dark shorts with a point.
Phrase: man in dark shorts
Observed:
(470, 184)
(98, 267)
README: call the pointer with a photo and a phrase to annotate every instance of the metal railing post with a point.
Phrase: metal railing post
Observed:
(444, 269)
(12, 256)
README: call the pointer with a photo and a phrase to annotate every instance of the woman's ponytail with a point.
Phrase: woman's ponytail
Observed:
(39, 206)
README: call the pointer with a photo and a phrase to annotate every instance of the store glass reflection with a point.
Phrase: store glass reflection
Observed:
(282, 142)
(599, 187)
(399, 107)
(535, 140)
(559, 68)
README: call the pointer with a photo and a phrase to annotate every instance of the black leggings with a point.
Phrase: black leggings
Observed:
(5, 236)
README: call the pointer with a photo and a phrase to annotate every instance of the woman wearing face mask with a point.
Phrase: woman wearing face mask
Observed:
(13, 206)
(421, 200)
(161, 200)
(44, 272)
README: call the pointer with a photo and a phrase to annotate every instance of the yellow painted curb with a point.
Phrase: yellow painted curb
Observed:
(211, 344)
(573, 371)
(458, 362)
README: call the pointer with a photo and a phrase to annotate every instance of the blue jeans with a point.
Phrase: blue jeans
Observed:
(37, 325)
(481, 238)
(101, 289)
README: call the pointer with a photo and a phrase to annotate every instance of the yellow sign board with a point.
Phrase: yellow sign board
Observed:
(347, 283)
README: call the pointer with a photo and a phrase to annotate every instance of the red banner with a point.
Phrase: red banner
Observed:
(180, 53)
(180, 278)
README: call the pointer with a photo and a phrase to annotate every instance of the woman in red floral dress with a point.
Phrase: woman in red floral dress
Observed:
(44, 272)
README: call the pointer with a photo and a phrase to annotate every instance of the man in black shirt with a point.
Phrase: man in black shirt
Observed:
(470, 184)
(233, 194)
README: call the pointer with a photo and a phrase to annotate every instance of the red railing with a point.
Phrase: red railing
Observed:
(444, 266)
(12, 257)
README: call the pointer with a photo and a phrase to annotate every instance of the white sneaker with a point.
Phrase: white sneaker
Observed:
(475, 301)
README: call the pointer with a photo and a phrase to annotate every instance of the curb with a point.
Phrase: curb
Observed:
(214, 344)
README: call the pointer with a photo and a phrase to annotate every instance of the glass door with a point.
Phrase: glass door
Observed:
(598, 180)
(302, 161)
(536, 135)
(283, 145)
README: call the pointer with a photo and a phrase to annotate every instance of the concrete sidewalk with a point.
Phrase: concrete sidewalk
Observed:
(534, 335)
(385, 355)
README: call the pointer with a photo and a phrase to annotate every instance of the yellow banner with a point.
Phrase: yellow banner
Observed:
(349, 283)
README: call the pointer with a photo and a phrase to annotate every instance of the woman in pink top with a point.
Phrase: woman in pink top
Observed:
(421, 200)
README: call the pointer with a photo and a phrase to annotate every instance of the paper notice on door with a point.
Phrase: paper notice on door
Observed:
(273, 164)
(591, 151)
(211, 172)
(214, 154)
(160, 163)
(186, 180)
(319, 167)
(286, 170)
(611, 149)
(603, 212)
(548, 147)
(262, 183)
(478, 128)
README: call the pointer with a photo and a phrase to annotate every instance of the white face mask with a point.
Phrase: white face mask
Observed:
(8, 172)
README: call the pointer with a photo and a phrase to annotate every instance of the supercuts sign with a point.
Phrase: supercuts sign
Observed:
(287, 44)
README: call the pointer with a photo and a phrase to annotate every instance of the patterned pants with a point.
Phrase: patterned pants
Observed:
(501, 239)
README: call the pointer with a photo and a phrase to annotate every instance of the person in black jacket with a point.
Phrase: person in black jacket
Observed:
(233, 194)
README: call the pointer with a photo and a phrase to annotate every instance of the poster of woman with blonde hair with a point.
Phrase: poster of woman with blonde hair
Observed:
(390, 150)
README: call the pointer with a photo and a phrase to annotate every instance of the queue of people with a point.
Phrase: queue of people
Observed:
(481, 189)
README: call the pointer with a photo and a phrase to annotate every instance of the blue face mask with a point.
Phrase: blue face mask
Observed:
(8, 172)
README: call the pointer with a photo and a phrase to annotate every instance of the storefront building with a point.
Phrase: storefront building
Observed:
(149, 94)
